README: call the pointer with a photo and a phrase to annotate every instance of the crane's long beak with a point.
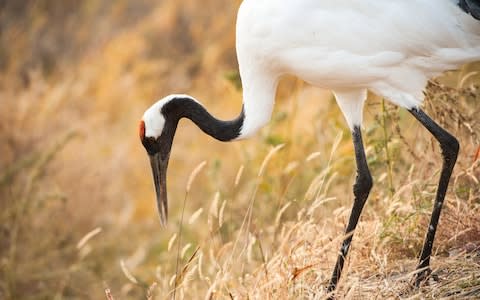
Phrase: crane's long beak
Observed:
(159, 171)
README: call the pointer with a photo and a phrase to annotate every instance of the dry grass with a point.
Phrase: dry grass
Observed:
(261, 219)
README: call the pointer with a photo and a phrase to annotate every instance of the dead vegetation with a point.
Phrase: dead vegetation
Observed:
(261, 219)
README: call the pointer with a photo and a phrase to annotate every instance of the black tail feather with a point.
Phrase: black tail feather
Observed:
(471, 7)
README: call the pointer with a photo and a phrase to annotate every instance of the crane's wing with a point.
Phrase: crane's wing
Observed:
(328, 39)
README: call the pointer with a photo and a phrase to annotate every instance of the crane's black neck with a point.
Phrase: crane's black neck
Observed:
(185, 107)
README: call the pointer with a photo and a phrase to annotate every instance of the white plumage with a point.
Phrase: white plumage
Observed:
(389, 47)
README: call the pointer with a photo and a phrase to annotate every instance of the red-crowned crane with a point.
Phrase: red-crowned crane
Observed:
(391, 48)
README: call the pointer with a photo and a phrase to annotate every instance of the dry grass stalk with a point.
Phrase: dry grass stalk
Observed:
(88, 236)
(195, 216)
(127, 272)
(171, 241)
(108, 294)
(267, 159)
(194, 174)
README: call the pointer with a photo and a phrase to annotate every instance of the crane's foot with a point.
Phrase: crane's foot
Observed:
(423, 278)
(330, 296)
(329, 292)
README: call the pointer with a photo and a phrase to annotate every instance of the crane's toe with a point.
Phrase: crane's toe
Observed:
(424, 277)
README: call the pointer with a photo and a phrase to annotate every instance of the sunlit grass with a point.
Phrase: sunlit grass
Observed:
(262, 219)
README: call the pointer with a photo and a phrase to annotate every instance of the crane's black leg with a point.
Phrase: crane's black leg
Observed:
(361, 189)
(450, 147)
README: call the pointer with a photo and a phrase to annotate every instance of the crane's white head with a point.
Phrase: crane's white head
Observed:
(153, 121)
(157, 129)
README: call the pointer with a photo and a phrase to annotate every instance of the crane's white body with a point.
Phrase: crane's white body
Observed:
(389, 47)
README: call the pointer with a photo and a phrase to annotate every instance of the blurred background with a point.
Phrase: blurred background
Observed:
(78, 218)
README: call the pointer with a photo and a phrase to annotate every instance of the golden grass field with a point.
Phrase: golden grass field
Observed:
(256, 219)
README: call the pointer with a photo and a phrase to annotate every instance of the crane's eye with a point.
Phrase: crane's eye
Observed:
(141, 130)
